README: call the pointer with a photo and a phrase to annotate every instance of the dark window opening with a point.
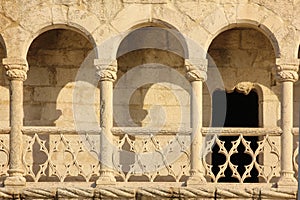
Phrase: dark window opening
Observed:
(241, 111)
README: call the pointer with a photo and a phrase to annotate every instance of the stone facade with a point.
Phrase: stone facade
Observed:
(115, 99)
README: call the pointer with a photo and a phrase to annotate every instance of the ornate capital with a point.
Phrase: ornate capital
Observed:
(287, 71)
(106, 71)
(16, 68)
(196, 70)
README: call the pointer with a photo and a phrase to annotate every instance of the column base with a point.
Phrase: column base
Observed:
(106, 178)
(14, 181)
(196, 180)
(287, 180)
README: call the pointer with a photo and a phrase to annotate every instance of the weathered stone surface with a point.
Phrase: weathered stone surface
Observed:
(166, 118)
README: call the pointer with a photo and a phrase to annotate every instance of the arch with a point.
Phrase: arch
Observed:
(78, 29)
(155, 30)
(264, 95)
(246, 87)
(108, 50)
(249, 15)
(55, 58)
(249, 24)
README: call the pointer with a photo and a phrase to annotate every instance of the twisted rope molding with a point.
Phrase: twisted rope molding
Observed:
(152, 192)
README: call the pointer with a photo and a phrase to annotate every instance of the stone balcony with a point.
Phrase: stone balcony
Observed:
(148, 163)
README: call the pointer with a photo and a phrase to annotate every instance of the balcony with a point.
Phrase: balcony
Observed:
(63, 163)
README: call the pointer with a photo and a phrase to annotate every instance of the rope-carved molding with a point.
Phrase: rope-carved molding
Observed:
(152, 192)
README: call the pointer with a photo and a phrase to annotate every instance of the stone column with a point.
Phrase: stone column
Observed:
(287, 75)
(107, 73)
(16, 73)
(196, 74)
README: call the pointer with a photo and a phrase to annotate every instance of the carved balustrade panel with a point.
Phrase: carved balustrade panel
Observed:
(146, 155)
(4, 155)
(150, 157)
(60, 157)
(241, 159)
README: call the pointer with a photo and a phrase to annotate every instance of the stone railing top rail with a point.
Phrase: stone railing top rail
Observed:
(148, 131)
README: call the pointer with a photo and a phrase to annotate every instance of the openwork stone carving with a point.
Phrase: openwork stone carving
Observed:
(196, 71)
(143, 145)
(16, 68)
(105, 71)
(265, 172)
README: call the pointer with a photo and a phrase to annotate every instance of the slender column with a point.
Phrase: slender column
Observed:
(107, 73)
(287, 75)
(196, 74)
(16, 73)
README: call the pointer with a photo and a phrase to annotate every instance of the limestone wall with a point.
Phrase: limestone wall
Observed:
(54, 59)
(98, 21)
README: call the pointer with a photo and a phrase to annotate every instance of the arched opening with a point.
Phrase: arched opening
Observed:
(157, 53)
(54, 58)
(241, 55)
(152, 88)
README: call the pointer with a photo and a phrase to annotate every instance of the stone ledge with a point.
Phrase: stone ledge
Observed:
(207, 191)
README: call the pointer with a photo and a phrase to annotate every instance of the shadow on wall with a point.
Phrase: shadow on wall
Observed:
(151, 47)
(54, 58)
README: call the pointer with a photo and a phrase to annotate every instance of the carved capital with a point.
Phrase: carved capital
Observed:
(106, 71)
(196, 70)
(16, 69)
(286, 71)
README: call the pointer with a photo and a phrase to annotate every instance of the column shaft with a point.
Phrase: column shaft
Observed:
(287, 126)
(107, 75)
(106, 140)
(196, 119)
(196, 73)
(16, 123)
(16, 72)
(287, 75)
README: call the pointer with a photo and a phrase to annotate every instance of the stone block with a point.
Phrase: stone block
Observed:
(59, 14)
(32, 112)
(81, 18)
(38, 76)
(254, 75)
(66, 75)
(61, 57)
(46, 94)
(4, 91)
(215, 21)
(253, 39)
